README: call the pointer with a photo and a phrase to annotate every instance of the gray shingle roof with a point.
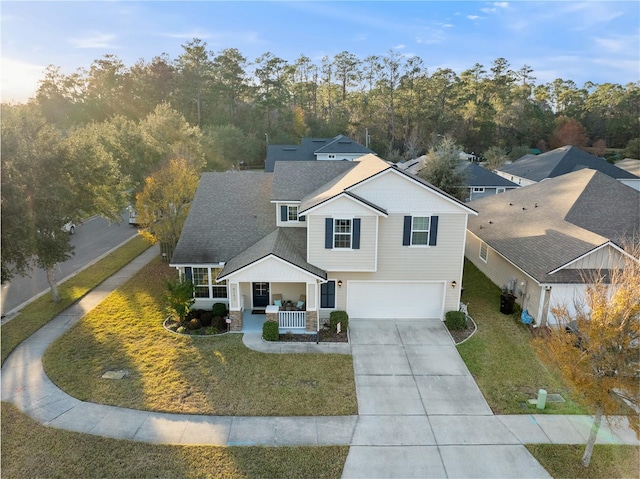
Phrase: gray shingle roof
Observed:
(561, 161)
(294, 180)
(308, 148)
(477, 176)
(289, 244)
(544, 226)
(229, 213)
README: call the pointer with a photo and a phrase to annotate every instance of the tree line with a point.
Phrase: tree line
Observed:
(401, 104)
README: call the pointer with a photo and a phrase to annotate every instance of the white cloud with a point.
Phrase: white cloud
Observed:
(399, 47)
(96, 40)
(190, 35)
(473, 17)
(19, 80)
(488, 10)
(447, 25)
(618, 43)
(501, 4)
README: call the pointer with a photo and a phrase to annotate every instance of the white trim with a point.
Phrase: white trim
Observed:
(197, 265)
(339, 195)
(603, 245)
(265, 258)
(285, 201)
(342, 234)
(375, 246)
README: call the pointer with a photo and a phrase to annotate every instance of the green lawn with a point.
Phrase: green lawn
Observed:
(42, 310)
(500, 355)
(197, 375)
(30, 450)
(607, 462)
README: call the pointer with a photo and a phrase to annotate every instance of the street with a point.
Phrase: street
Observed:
(92, 239)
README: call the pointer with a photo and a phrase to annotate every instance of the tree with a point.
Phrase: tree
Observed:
(48, 180)
(442, 169)
(568, 132)
(599, 358)
(180, 298)
(163, 203)
(495, 157)
(633, 149)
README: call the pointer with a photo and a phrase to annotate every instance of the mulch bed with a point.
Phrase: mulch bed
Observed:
(326, 336)
(462, 334)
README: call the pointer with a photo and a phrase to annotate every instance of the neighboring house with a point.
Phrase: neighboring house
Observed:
(542, 242)
(532, 169)
(479, 183)
(361, 236)
(311, 149)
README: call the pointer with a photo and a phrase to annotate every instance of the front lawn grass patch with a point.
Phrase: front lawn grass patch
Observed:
(42, 310)
(214, 375)
(35, 451)
(608, 461)
(500, 356)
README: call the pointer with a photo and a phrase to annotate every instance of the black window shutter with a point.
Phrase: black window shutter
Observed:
(284, 213)
(433, 231)
(406, 236)
(356, 234)
(328, 233)
(187, 273)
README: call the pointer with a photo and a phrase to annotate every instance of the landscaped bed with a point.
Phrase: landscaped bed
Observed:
(173, 373)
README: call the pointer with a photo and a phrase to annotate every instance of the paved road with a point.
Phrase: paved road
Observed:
(92, 239)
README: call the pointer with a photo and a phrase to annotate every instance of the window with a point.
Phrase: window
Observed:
(420, 231)
(499, 190)
(342, 234)
(483, 251)
(204, 285)
(201, 282)
(218, 290)
(478, 189)
(292, 213)
(328, 295)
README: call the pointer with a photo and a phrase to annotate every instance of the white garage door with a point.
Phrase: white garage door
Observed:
(372, 299)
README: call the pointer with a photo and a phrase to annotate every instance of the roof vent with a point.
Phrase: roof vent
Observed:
(536, 205)
(523, 208)
(490, 222)
(510, 204)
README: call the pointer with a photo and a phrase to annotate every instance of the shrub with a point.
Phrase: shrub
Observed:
(455, 320)
(194, 313)
(180, 297)
(338, 317)
(206, 318)
(193, 324)
(181, 330)
(270, 331)
(212, 330)
(219, 323)
(219, 309)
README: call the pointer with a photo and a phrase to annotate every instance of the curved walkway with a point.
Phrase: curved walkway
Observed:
(420, 412)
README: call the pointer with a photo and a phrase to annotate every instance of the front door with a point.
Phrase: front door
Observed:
(260, 295)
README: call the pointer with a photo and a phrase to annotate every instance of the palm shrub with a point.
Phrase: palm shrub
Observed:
(180, 298)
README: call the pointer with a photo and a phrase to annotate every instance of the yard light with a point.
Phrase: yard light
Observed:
(339, 283)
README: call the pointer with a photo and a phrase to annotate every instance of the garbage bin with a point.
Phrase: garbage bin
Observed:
(507, 300)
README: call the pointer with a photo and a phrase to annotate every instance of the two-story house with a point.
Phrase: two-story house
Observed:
(361, 236)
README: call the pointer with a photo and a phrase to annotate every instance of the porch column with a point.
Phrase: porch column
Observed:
(312, 320)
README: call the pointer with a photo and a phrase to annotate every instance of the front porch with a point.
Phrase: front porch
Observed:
(288, 321)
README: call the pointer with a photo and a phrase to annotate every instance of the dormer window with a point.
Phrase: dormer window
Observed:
(290, 213)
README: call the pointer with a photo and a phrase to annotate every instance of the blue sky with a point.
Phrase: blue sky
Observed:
(579, 41)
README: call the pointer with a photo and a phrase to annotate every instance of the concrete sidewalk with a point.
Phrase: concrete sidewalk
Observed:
(420, 412)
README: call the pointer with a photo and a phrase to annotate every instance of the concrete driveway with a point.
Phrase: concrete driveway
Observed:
(420, 413)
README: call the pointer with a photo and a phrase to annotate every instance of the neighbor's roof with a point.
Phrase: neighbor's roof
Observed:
(230, 212)
(309, 147)
(544, 226)
(477, 176)
(561, 161)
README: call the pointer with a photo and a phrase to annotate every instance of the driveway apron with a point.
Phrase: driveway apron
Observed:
(420, 412)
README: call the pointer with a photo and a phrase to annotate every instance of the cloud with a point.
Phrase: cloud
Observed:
(19, 80)
(399, 47)
(488, 10)
(96, 40)
(473, 17)
(190, 35)
(618, 43)
(501, 4)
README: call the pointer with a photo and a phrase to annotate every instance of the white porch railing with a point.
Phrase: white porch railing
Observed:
(292, 319)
